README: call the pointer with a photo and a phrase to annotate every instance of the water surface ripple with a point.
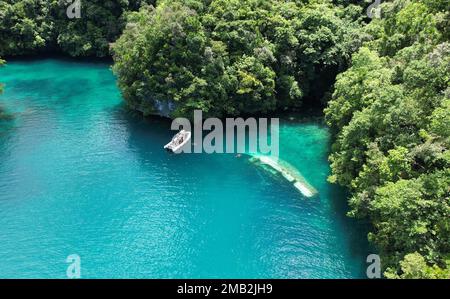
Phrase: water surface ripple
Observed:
(79, 174)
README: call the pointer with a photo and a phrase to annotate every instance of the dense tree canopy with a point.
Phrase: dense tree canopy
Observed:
(30, 26)
(229, 57)
(390, 111)
(384, 82)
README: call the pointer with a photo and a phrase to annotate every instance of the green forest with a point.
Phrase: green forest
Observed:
(382, 83)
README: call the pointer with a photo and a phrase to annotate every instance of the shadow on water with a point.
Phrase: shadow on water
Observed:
(145, 134)
(354, 230)
(37, 57)
(5, 116)
(141, 125)
(7, 127)
(39, 88)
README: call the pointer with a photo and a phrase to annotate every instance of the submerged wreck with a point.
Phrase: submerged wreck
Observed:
(289, 172)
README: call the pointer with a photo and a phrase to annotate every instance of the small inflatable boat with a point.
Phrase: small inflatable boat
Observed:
(178, 141)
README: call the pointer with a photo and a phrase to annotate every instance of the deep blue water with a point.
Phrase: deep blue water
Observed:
(80, 174)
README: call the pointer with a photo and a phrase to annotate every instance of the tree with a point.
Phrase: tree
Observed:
(413, 266)
(34, 26)
(389, 113)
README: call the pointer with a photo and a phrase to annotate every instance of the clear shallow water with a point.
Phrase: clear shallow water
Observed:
(79, 174)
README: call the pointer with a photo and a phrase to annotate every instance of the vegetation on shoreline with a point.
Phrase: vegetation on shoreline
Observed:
(232, 57)
(390, 111)
(384, 83)
(33, 26)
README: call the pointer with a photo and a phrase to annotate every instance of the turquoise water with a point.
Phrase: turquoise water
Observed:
(79, 174)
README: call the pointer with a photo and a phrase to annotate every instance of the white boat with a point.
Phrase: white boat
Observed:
(178, 141)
